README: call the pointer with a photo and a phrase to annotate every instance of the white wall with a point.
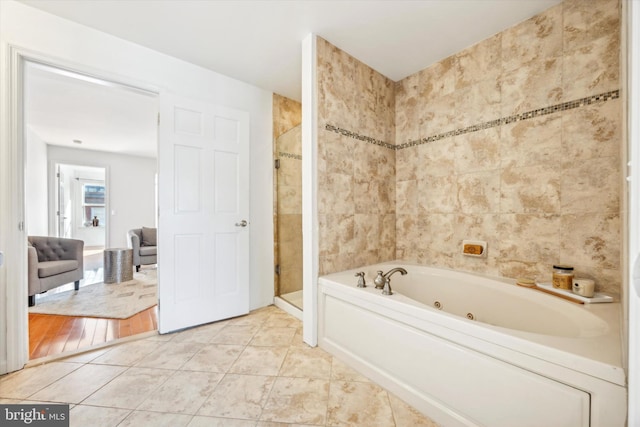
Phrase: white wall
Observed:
(36, 185)
(87, 49)
(130, 187)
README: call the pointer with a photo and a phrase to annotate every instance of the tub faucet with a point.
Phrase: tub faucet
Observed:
(386, 288)
(361, 281)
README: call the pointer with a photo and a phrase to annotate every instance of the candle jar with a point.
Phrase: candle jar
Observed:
(562, 277)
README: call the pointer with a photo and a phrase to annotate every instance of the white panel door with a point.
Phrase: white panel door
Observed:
(203, 195)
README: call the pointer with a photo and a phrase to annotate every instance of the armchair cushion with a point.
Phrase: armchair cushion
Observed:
(52, 268)
(148, 250)
(149, 236)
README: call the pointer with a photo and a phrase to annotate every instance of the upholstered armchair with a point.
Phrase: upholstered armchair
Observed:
(143, 242)
(53, 262)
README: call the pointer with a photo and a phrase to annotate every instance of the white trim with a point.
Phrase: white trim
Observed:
(632, 20)
(12, 194)
(310, 251)
(287, 307)
(12, 229)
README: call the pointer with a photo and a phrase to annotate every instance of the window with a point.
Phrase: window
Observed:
(93, 204)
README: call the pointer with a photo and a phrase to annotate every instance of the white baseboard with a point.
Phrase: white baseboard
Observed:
(289, 308)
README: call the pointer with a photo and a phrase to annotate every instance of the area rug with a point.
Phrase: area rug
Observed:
(114, 300)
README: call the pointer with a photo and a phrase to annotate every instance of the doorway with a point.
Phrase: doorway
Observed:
(87, 140)
(80, 213)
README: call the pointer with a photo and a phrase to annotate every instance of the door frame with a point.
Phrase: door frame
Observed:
(13, 238)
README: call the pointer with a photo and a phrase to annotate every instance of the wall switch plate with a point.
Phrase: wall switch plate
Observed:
(474, 248)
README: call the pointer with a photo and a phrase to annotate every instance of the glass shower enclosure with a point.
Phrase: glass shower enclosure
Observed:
(288, 216)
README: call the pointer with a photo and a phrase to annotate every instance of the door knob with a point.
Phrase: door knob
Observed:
(242, 223)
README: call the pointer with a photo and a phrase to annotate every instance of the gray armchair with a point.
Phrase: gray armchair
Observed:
(143, 241)
(53, 262)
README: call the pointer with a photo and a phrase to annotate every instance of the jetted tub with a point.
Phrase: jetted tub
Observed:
(471, 350)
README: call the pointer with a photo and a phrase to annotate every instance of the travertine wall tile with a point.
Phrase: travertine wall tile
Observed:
(357, 179)
(592, 68)
(532, 86)
(479, 192)
(530, 189)
(586, 21)
(540, 189)
(477, 151)
(438, 194)
(533, 40)
(478, 62)
(587, 132)
(532, 142)
(287, 114)
(582, 180)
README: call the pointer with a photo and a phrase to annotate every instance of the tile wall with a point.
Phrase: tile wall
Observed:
(356, 178)
(515, 140)
(287, 116)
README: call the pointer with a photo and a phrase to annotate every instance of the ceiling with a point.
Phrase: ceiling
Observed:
(61, 107)
(259, 42)
(255, 41)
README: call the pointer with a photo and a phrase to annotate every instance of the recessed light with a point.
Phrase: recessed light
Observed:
(77, 141)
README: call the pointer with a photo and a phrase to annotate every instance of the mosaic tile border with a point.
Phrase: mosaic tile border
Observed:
(356, 135)
(606, 96)
(289, 155)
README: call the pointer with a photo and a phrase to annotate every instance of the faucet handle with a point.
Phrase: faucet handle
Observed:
(379, 280)
(361, 281)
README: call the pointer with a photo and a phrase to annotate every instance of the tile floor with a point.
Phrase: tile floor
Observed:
(249, 371)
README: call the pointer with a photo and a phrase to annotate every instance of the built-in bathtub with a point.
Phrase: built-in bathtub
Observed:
(524, 359)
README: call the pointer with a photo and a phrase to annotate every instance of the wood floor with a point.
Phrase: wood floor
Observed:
(52, 334)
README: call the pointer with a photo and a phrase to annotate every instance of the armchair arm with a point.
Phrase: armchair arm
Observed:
(133, 242)
(32, 266)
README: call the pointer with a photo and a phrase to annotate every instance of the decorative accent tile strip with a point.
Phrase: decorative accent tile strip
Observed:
(355, 135)
(614, 94)
(289, 155)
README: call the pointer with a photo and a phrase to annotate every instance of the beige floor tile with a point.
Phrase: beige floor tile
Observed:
(297, 400)
(238, 396)
(358, 404)
(24, 383)
(161, 338)
(79, 384)
(298, 340)
(274, 424)
(129, 389)
(183, 393)
(84, 416)
(170, 355)
(10, 401)
(259, 361)
(273, 337)
(255, 318)
(202, 334)
(214, 358)
(235, 334)
(201, 421)
(340, 371)
(281, 320)
(86, 357)
(407, 416)
(306, 363)
(155, 419)
(127, 354)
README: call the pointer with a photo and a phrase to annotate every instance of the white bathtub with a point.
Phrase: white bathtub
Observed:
(527, 358)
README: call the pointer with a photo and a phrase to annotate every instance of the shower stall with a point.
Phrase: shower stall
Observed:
(288, 216)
